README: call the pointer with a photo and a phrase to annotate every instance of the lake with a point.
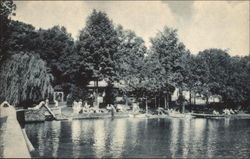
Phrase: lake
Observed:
(138, 137)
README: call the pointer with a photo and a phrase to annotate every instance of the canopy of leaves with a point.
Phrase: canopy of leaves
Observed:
(170, 54)
(129, 59)
(97, 45)
(7, 8)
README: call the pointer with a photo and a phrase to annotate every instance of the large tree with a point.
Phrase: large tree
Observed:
(129, 59)
(171, 54)
(54, 46)
(97, 45)
(24, 77)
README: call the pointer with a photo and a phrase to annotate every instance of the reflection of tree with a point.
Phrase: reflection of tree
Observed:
(55, 131)
(199, 127)
(99, 137)
(119, 137)
(76, 133)
(174, 137)
(186, 137)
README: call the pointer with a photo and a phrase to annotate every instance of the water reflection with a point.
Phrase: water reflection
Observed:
(99, 137)
(55, 127)
(76, 133)
(119, 137)
(186, 137)
(154, 138)
(174, 136)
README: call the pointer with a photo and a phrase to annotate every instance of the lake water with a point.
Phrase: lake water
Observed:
(134, 137)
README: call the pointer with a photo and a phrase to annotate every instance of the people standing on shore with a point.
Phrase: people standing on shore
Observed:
(47, 102)
(113, 110)
(56, 103)
(74, 106)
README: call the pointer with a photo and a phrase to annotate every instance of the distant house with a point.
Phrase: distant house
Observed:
(199, 99)
(102, 85)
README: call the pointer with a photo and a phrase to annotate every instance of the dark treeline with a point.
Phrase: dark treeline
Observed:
(33, 62)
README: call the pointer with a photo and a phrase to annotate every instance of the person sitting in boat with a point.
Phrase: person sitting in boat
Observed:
(160, 111)
(231, 111)
(80, 103)
(119, 107)
(136, 108)
(215, 112)
(85, 108)
(226, 111)
(75, 105)
(42, 103)
(108, 107)
(113, 110)
(5, 104)
(47, 102)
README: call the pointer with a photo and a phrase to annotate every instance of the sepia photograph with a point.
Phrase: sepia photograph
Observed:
(124, 79)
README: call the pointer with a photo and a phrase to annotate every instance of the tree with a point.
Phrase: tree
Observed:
(7, 8)
(21, 37)
(54, 46)
(97, 45)
(129, 59)
(170, 53)
(24, 77)
(217, 64)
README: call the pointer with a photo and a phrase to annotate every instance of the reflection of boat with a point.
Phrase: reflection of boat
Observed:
(179, 115)
(139, 115)
(197, 115)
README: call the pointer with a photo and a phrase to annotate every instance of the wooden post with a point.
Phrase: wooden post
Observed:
(97, 95)
(165, 102)
(183, 108)
(190, 97)
(126, 100)
(62, 97)
(155, 101)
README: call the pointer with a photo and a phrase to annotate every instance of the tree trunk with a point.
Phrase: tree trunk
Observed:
(207, 100)
(190, 97)
(165, 102)
(159, 102)
(146, 105)
(155, 101)
(96, 94)
(97, 104)
(183, 108)
(194, 99)
(190, 100)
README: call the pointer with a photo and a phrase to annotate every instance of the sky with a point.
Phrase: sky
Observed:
(200, 24)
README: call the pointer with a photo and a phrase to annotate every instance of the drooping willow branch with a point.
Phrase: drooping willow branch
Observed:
(24, 76)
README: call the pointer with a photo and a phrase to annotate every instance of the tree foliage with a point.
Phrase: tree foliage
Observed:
(129, 59)
(29, 58)
(98, 44)
(7, 8)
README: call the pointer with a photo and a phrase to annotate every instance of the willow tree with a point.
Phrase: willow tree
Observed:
(24, 77)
